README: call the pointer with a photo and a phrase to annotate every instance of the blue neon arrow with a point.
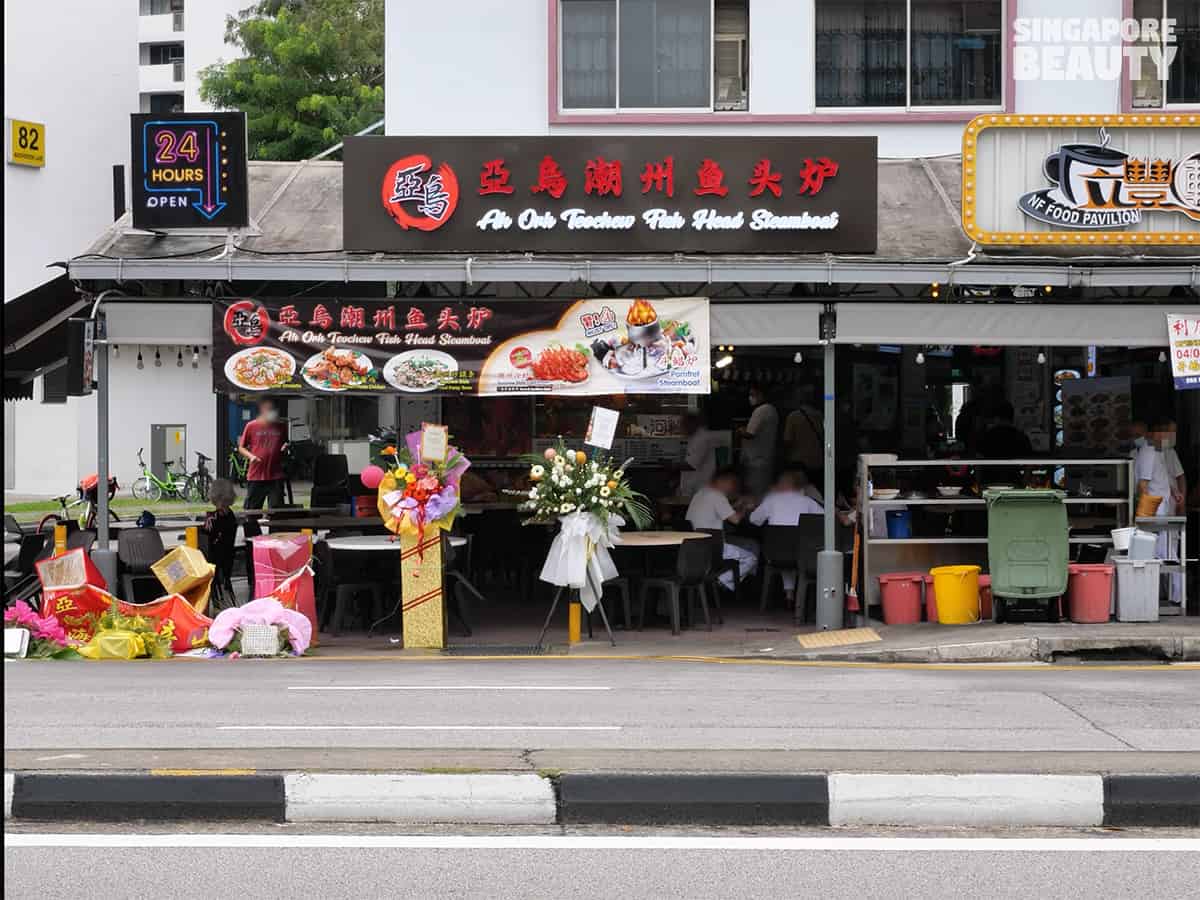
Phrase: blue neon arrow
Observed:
(206, 206)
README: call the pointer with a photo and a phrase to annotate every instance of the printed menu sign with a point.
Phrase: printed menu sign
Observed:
(596, 347)
(663, 194)
(1184, 333)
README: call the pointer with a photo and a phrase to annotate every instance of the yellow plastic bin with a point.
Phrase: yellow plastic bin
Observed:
(957, 590)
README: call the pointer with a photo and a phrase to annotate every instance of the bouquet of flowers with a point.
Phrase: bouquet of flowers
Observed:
(590, 498)
(566, 481)
(47, 639)
(415, 493)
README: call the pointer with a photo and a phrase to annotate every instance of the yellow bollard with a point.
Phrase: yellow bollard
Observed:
(60, 539)
(192, 535)
(574, 621)
(308, 531)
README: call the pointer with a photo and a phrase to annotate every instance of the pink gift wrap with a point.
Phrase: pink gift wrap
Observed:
(278, 557)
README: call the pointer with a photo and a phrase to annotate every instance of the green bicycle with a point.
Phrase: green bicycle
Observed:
(175, 486)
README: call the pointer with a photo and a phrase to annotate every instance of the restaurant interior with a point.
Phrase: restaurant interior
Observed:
(893, 403)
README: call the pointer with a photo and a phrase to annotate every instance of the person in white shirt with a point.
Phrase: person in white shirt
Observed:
(710, 510)
(1168, 545)
(758, 443)
(701, 454)
(784, 505)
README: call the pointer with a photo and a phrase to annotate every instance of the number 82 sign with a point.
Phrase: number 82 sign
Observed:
(25, 143)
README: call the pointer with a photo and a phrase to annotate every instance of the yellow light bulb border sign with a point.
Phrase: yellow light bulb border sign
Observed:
(1065, 238)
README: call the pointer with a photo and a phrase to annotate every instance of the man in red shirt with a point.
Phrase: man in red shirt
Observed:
(263, 441)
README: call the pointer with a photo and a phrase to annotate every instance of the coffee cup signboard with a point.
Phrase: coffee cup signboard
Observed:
(1133, 183)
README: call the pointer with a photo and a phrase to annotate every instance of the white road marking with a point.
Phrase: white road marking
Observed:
(62, 756)
(605, 842)
(446, 687)
(418, 728)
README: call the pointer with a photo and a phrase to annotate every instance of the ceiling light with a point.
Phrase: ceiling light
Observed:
(798, 358)
(157, 358)
(724, 361)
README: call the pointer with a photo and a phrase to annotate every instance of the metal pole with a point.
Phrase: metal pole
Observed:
(102, 433)
(830, 586)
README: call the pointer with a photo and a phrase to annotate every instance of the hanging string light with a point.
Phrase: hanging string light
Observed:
(140, 364)
(116, 351)
(195, 357)
(179, 358)
(157, 359)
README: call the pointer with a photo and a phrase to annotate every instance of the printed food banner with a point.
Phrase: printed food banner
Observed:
(595, 347)
(1184, 332)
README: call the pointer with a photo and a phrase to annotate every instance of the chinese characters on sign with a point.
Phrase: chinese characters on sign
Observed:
(597, 194)
(454, 346)
(1184, 335)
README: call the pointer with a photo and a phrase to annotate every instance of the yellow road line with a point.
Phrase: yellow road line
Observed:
(188, 772)
(796, 663)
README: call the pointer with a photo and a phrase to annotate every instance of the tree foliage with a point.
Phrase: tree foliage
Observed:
(310, 74)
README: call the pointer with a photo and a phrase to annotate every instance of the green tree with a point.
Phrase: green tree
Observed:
(311, 72)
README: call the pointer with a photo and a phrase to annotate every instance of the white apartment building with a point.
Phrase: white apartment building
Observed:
(176, 39)
(910, 71)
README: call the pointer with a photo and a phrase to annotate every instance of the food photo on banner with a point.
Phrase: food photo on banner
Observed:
(593, 347)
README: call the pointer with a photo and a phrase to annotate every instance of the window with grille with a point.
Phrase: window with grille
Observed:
(654, 54)
(909, 53)
(1179, 84)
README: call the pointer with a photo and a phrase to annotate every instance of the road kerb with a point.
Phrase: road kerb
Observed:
(917, 799)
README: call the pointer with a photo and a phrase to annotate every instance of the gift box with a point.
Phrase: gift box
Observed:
(182, 569)
(278, 557)
(296, 592)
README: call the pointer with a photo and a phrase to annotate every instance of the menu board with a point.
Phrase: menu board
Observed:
(599, 347)
(1096, 415)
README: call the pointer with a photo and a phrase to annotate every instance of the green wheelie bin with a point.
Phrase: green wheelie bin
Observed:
(1028, 548)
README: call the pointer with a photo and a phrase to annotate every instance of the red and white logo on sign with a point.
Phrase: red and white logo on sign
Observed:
(246, 322)
(417, 197)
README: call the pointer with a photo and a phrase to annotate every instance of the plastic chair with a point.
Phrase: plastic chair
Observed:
(328, 581)
(81, 539)
(721, 565)
(781, 555)
(331, 480)
(137, 550)
(692, 567)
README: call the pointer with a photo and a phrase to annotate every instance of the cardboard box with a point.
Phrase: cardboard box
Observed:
(182, 569)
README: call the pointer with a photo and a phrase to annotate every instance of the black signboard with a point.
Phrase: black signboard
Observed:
(189, 170)
(81, 356)
(610, 194)
(598, 346)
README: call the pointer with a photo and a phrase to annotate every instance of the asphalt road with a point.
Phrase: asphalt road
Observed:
(595, 704)
(283, 862)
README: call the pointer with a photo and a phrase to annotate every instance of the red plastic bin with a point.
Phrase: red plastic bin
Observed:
(1089, 592)
(900, 595)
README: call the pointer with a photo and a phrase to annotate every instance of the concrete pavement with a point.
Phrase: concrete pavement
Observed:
(588, 863)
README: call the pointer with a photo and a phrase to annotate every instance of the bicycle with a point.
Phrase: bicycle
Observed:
(238, 465)
(149, 486)
(200, 481)
(87, 495)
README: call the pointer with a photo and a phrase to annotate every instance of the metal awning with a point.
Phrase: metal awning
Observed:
(1007, 324)
(296, 211)
(35, 331)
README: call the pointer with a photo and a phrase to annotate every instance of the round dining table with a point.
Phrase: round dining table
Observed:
(377, 542)
(650, 539)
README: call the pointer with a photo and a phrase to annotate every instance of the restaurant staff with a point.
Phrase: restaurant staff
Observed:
(701, 454)
(711, 510)
(758, 443)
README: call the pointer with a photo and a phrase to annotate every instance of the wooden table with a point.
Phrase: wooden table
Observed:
(649, 539)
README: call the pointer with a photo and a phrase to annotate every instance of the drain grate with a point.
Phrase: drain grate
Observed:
(498, 650)
(762, 630)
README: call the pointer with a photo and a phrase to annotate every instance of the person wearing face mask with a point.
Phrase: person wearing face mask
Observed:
(1150, 472)
(262, 442)
(1138, 428)
(758, 443)
(1168, 545)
